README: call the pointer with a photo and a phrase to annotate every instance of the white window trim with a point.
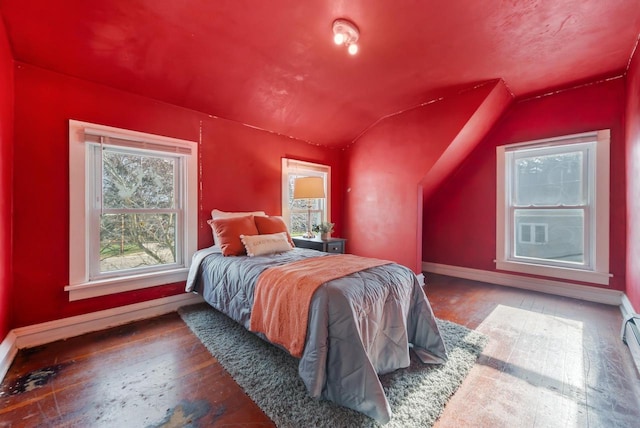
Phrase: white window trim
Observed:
(80, 287)
(294, 165)
(600, 272)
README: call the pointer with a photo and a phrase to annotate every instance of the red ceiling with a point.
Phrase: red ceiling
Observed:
(272, 64)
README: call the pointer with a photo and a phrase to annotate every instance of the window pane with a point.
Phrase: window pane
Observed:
(137, 181)
(558, 234)
(541, 234)
(130, 241)
(525, 233)
(299, 221)
(550, 180)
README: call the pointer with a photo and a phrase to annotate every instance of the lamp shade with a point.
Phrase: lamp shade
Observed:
(308, 188)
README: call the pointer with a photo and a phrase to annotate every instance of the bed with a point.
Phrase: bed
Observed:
(346, 318)
(359, 325)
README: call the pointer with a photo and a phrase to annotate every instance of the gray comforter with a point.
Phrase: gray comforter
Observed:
(360, 325)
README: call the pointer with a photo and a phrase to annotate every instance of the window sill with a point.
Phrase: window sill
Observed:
(105, 287)
(555, 272)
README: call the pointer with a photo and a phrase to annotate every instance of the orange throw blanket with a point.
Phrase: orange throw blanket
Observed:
(283, 295)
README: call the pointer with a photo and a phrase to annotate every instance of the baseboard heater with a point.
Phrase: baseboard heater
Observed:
(631, 336)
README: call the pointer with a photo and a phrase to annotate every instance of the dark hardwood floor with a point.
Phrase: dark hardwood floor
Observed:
(550, 362)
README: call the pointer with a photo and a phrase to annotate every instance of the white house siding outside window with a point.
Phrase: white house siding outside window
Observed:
(553, 207)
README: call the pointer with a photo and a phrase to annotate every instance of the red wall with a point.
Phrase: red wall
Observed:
(460, 218)
(633, 181)
(240, 170)
(385, 169)
(6, 162)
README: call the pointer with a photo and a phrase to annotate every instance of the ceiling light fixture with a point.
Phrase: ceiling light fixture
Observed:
(346, 33)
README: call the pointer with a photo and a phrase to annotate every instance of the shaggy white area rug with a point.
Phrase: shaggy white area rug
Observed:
(269, 375)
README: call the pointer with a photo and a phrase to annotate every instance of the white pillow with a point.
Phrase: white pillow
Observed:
(260, 245)
(216, 214)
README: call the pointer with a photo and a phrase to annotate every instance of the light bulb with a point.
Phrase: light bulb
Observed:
(338, 39)
(353, 49)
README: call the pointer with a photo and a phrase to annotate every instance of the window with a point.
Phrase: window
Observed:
(294, 211)
(553, 207)
(133, 209)
(533, 233)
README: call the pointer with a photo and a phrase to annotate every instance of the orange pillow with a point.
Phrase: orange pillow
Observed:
(273, 224)
(229, 231)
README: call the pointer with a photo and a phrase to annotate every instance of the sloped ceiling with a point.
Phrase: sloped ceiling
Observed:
(273, 65)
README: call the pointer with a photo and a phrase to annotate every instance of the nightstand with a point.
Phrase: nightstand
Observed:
(331, 245)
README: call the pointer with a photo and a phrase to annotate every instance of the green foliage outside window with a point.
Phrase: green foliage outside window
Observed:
(138, 223)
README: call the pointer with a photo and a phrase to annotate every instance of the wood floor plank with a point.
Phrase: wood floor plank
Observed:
(550, 362)
(144, 374)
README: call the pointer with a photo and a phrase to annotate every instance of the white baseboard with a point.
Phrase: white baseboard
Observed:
(8, 351)
(39, 334)
(627, 308)
(559, 288)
